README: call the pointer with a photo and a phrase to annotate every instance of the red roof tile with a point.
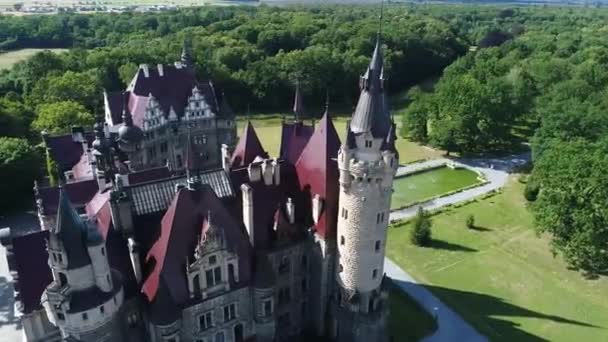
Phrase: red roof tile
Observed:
(294, 137)
(180, 230)
(80, 193)
(64, 150)
(248, 148)
(317, 169)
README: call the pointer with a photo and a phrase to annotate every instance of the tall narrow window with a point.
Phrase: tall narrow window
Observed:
(267, 307)
(342, 240)
(213, 276)
(229, 312)
(378, 246)
(284, 266)
(375, 274)
(205, 321)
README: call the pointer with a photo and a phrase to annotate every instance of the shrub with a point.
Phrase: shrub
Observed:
(471, 221)
(531, 191)
(420, 235)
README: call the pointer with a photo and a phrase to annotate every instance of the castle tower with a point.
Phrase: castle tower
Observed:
(86, 295)
(367, 162)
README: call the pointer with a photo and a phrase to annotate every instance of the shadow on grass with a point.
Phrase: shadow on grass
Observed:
(482, 311)
(440, 244)
(480, 229)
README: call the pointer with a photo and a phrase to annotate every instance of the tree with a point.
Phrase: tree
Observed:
(83, 87)
(571, 204)
(60, 117)
(19, 167)
(470, 221)
(420, 235)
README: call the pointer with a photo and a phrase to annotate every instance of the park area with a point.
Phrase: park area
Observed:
(501, 276)
(8, 59)
(428, 184)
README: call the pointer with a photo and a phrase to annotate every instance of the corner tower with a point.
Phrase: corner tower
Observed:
(367, 163)
(86, 295)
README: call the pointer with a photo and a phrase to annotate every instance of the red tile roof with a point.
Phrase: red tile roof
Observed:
(64, 150)
(180, 230)
(80, 193)
(317, 169)
(294, 137)
(248, 148)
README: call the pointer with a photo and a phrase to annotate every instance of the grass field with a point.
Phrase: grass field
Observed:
(268, 128)
(430, 183)
(408, 321)
(8, 59)
(501, 277)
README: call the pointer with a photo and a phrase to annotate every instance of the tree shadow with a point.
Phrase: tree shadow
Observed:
(480, 228)
(440, 244)
(490, 315)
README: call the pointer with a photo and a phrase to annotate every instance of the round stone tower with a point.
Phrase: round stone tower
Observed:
(85, 298)
(367, 162)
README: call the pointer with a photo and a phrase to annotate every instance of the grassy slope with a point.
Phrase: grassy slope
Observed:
(503, 278)
(408, 321)
(429, 184)
(8, 59)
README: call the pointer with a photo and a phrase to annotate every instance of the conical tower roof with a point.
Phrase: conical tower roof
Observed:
(248, 148)
(372, 113)
(72, 232)
(298, 104)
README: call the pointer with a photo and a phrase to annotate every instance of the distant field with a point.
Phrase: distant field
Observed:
(8, 59)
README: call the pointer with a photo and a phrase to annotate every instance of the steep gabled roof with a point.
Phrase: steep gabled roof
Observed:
(372, 112)
(72, 232)
(294, 137)
(80, 193)
(248, 148)
(180, 231)
(317, 169)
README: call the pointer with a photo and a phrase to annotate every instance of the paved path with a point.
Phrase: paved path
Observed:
(451, 327)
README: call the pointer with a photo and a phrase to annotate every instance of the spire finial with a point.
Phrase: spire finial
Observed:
(298, 103)
(186, 57)
(381, 19)
(327, 101)
(127, 119)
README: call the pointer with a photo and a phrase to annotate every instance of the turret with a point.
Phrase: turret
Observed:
(367, 162)
(85, 297)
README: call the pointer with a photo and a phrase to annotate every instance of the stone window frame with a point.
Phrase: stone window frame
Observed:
(378, 245)
(216, 280)
(270, 307)
(375, 273)
(368, 143)
(230, 312)
(207, 319)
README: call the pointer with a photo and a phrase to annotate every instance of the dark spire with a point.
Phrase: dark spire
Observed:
(327, 103)
(372, 113)
(129, 133)
(186, 57)
(225, 109)
(193, 161)
(298, 103)
(71, 231)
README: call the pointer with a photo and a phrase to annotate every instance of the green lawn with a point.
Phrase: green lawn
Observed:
(429, 184)
(8, 59)
(501, 277)
(268, 128)
(408, 321)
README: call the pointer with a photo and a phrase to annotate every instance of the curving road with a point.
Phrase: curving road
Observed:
(451, 327)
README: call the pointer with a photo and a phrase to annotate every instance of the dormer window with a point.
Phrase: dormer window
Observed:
(368, 143)
(213, 276)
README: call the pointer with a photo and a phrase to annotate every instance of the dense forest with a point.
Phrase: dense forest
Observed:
(503, 77)
(542, 77)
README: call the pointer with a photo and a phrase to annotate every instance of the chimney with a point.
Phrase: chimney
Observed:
(276, 172)
(255, 172)
(146, 70)
(267, 172)
(291, 211)
(135, 262)
(77, 134)
(247, 192)
(161, 71)
(226, 158)
(317, 208)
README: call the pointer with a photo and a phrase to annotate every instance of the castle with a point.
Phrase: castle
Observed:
(165, 230)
